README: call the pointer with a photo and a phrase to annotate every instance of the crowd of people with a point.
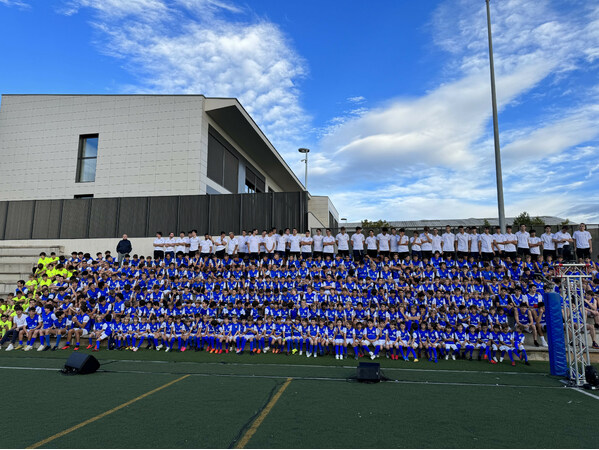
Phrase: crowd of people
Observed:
(464, 295)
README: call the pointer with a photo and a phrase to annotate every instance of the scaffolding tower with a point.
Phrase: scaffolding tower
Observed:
(577, 344)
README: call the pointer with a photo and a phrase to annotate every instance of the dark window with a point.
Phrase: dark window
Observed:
(86, 161)
(223, 165)
(254, 180)
(84, 196)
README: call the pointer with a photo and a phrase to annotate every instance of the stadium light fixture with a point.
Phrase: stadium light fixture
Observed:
(305, 151)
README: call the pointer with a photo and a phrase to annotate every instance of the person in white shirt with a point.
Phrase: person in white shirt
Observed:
(318, 247)
(473, 243)
(220, 245)
(206, 246)
(534, 243)
(371, 245)
(342, 240)
(563, 240)
(294, 243)
(357, 243)
(393, 243)
(306, 245)
(181, 243)
(402, 244)
(254, 245)
(270, 244)
(426, 245)
(194, 243)
(415, 243)
(169, 245)
(281, 244)
(383, 240)
(548, 240)
(498, 239)
(509, 243)
(233, 245)
(463, 241)
(158, 246)
(522, 237)
(485, 245)
(448, 241)
(328, 244)
(584, 243)
(437, 241)
(243, 245)
(262, 246)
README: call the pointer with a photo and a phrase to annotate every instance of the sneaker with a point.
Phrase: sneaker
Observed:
(9, 348)
(500, 360)
(89, 346)
(453, 357)
(294, 351)
(54, 348)
(18, 347)
(159, 347)
(300, 353)
(415, 359)
(595, 345)
(336, 356)
(27, 348)
(183, 349)
(446, 357)
(513, 363)
(134, 349)
(544, 342)
(372, 355)
(340, 356)
(470, 359)
(66, 347)
(484, 357)
(314, 355)
(527, 363)
(41, 348)
(536, 344)
(76, 348)
(308, 354)
(46, 348)
(95, 350)
(167, 350)
(266, 349)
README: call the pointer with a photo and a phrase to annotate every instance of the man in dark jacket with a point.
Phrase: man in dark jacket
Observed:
(123, 248)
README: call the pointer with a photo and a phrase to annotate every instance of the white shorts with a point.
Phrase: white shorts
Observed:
(380, 342)
(103, 336)
(504, 348)
(339, 341)
(349, 341)
(451, 347)
(84, 332)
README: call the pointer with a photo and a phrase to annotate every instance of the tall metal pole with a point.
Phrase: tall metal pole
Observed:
(306, 175)
(499, 177)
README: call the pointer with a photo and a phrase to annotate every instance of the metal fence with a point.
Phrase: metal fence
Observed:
(143, 216)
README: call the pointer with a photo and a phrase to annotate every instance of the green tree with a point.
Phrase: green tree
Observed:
(524, 219)
(486, 224)
(565, 222)
(375, 225)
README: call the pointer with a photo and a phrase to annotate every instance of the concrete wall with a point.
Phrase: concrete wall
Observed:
(321, 206)
(148, 145)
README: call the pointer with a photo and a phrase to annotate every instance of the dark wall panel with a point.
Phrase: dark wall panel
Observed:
(75, 218)
(46, 220)
(193, 213)
(257, 212)
(224, 213)
(162, 215)
(132, 218)
(19, 220)
(103, 217)
(3, 213)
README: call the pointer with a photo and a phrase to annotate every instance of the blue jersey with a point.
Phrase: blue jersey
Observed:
(460, 336)
(372, 333)
(48, 320)
(32, 322)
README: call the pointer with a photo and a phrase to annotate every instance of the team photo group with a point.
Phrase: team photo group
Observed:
(400, 295)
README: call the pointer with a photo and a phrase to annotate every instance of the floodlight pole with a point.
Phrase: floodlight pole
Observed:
(498, 175)
(305, 151)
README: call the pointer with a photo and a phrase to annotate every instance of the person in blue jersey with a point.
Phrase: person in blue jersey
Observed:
(485, 342)
(202, 338)
(519, 349)
(392, 341)
(48, 318)
(33, 324)
(313, 338)
(450, 343)
(153, 333)
(460, 341)
(287, 335)
(260, 331)
(506, 340)
(434, 341)
(495, 343)
(276, 337)
(471, 342)
(327, 336)
(419, 340)
(340, 339)
(524, 321)
(372, 337)
(168, 332)
(59, 328)
(81, 327)
(103, 330)
(298, 326)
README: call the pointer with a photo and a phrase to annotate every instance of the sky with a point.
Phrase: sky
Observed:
(392, 97)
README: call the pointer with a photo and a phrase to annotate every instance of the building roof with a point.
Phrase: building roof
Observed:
(439, 223)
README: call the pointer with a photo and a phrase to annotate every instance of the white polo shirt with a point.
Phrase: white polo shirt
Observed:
(194, 243)
(559, 236)
(509, 237)
(243, 244)
(270, 243)
(448, 240)
(463, 240)
(534, 250)
(170, 244)
(393, 243)
(180, 244)
(157, 244)
(254, 243)
(317, 239)
(206, 246)
(371, 243)
(307, 246)
(294, 242)
(231, 245)
(523, 238)
(497, 238)
(437, 243)
(402, 244)
(328, 249)
(486, 243)
(342, 241)
(281, 242)
(357, 241)
(473, 238)
(582, 238)
(548, 243)
(383, 240)
(426, 246)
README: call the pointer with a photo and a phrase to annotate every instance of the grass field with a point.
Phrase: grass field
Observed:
(201, 400)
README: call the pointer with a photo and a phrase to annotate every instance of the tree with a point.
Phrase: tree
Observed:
(375, 225)
(565, 222)
(486, 224)
(525, 219)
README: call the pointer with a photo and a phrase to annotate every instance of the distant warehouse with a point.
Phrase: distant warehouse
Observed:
(97, 166)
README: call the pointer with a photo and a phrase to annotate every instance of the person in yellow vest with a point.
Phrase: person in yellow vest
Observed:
(45, 281)
(5, 324)
(31, 283)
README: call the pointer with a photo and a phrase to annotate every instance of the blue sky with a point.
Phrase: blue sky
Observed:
(392, 97)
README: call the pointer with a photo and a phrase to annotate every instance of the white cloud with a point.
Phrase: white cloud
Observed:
(441, 143)
(188, 47)
(18, 3)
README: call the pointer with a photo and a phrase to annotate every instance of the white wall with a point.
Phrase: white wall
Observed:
(141, 246)
(148, 145)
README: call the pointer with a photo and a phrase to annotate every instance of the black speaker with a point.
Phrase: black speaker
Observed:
(369, 372)
(80, 363)
(591, 375)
